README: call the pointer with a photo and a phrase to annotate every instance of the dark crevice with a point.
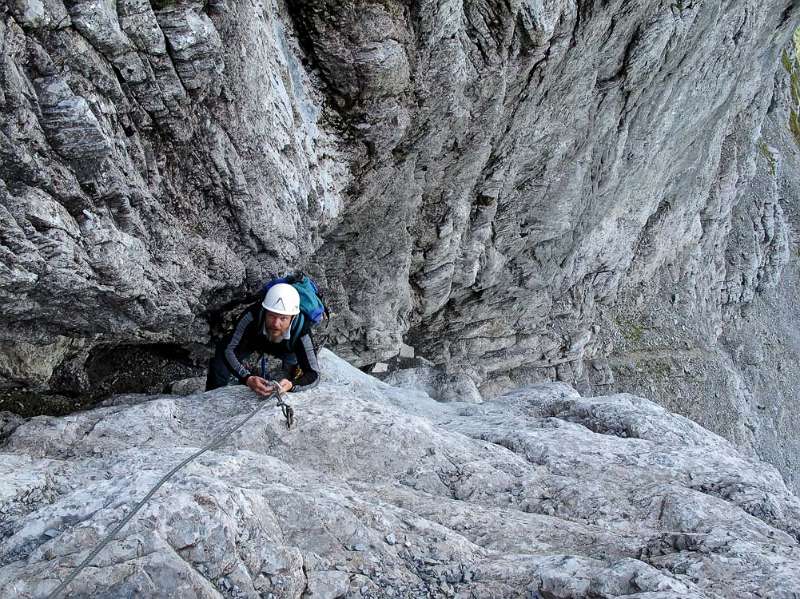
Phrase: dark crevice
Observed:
(787, 17)
(303, 26)
(79, 384)
(137, 368)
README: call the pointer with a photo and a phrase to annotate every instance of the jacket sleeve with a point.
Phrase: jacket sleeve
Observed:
(307, 360)
(231, 361)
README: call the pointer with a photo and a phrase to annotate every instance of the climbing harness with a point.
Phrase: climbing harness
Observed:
(288, 413)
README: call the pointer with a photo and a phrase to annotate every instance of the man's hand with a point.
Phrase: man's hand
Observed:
(286, 385)
(259, 385)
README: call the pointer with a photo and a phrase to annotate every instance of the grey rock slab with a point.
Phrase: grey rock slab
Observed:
(492, 183)
(537, 491)
(327, 585)
(188, 386)
(440, 385)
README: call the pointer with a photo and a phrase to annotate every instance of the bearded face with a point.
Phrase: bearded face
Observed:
(276, 325)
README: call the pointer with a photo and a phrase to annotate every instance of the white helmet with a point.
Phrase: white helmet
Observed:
(282, 298)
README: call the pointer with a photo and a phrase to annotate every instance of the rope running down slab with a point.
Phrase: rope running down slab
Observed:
(216, 442)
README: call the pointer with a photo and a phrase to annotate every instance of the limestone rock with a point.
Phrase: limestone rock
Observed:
(439, 385)
(188, 386)
(153, 155)
(538, 493)
(498, 184)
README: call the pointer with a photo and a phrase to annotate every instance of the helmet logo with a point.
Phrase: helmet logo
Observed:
(282, 299)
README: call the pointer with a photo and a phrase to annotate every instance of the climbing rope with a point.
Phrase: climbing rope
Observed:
(288, 413)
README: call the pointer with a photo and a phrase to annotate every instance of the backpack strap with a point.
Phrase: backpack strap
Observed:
(298, 323)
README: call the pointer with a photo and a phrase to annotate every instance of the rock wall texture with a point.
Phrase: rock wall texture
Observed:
(151, 158)
(590, 192)
(383, 492)
(727, 359)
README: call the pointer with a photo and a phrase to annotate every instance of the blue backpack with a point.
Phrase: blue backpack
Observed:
(312, 306)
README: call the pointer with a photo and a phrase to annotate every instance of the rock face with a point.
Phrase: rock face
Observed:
(522, 191)
(150, 159)
(728, 361)
(383, 492)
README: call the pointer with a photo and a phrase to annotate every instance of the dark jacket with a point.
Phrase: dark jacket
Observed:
(249, 334)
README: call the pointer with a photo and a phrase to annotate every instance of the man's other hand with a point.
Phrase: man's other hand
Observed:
(286, 385)
(259, 385)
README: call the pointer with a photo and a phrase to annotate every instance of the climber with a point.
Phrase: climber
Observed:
(266, 328)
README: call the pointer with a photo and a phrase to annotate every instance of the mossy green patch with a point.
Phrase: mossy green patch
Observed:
(792, 66)
(632, 332)
(770, 157)
(660, 368)
(679, 6)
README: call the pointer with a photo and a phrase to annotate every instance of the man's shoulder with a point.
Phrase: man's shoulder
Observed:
(251, 312)
(305, 328)
(255, 307)
(303, 332)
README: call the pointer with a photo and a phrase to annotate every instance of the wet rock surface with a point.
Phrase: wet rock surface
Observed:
(382, 492)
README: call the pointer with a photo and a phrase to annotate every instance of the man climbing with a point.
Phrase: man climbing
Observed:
(267, 328)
